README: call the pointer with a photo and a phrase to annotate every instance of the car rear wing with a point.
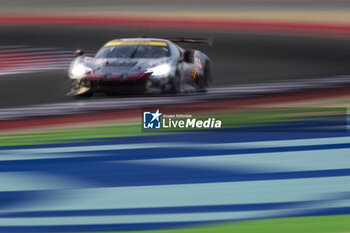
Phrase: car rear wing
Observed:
(208, 41)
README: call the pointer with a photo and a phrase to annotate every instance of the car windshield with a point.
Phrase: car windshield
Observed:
(133, 51)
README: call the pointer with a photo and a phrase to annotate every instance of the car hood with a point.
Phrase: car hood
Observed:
(121, 66)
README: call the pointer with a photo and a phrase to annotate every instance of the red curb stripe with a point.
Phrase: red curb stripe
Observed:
(67, 119)
(185, 23)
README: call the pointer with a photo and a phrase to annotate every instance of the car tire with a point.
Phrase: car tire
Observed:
(205, 80)
(175, 84)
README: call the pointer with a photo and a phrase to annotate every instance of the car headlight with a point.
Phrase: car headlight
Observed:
(161, 70)
(80, 70)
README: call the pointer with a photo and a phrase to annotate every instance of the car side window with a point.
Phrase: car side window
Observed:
(174, 50)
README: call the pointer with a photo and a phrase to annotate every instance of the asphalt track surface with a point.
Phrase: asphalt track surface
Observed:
(238, 58)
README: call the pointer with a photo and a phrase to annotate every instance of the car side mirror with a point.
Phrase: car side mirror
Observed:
(189, 56)
(79, 52)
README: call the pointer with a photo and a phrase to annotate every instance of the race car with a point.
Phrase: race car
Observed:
(141, 65)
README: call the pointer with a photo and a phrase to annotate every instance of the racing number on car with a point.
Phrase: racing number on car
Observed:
(197, 67)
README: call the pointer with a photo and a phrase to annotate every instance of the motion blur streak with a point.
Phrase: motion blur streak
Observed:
(24, 59)
(99, 182)
(55, 187)
(183, 23)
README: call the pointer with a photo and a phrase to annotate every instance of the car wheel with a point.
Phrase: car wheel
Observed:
(206, 78)
(175, 84)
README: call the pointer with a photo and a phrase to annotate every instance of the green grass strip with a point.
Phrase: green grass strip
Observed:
(79, 133)
(321, 224)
